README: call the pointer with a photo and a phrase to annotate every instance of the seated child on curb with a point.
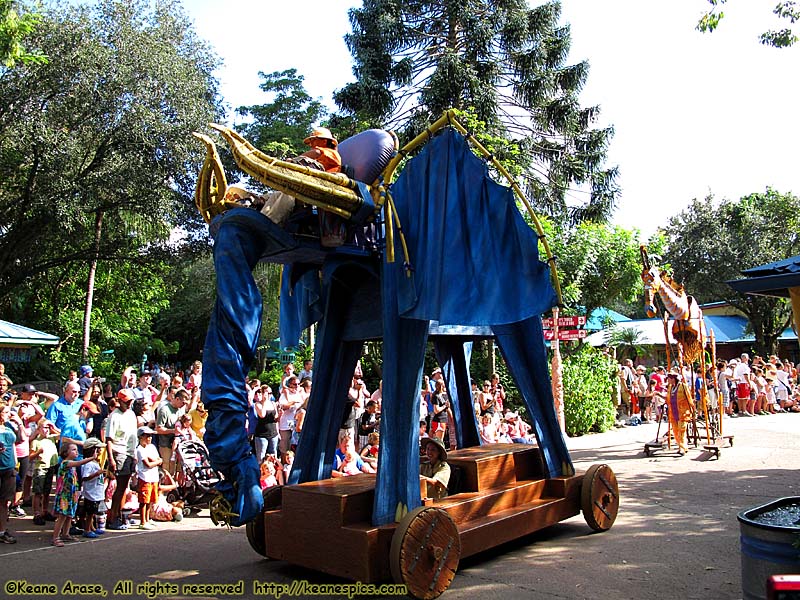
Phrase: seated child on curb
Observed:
(93, 487)
(147, 462)
(370, 451)
(268, 471)
(162, 509)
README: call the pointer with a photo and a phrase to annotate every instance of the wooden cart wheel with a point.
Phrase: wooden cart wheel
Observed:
(256, 529)
(425, 552)
(599, 497)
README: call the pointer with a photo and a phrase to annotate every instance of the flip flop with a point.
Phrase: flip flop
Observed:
(58, 543)
(68, 538)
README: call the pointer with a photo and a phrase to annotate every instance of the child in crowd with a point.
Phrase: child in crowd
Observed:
(268, 471)
(93, 487)
(67, 492)
(370, 451)
(130, 501)
(164, 510)
(350, 464)
(367, 423)
(3, 377)
(44, 455)
(423, 434)
(346, 460)
(183, 432)
(147, 462)
(488, 432)
(287, 460)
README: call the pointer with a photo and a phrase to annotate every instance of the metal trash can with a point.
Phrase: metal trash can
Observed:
(767, 536)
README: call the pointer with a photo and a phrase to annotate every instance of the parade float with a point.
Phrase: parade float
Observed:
(439, 253)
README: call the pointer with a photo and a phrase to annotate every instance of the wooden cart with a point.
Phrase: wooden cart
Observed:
(497, 494)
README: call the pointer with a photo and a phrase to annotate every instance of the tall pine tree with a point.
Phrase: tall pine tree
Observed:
(504, 63)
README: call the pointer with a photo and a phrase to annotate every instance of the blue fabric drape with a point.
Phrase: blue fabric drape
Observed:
(300, 305)
(334, 363)
(476, 260)
(522, 346)
(453, 354)
(404, 340)
(241, 235)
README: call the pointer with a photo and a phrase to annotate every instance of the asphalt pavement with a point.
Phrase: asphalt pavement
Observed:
(676, 536)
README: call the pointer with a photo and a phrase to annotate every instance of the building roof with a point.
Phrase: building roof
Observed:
(19, 335)
(771, 279)
(601, 315)
(727, 330)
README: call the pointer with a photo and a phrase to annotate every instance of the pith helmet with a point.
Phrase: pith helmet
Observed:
(321, 133)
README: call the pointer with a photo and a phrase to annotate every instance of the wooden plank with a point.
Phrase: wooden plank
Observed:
(340, 551)
(493, 465)
(472, 505)
(341, 501)
(499, 528)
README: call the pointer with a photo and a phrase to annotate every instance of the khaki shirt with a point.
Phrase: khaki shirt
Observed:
(440, 471)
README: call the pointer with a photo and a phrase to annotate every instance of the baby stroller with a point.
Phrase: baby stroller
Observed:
(194, 475)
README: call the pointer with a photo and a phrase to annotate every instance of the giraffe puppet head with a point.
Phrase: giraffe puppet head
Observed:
(652, 281)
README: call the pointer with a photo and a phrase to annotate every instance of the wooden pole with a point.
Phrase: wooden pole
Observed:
(668, 348)
(713, 342)
(557, 375)
(704, 385)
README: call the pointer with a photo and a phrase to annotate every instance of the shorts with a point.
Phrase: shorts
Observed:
(43, 483)
(8, 485)
(743, 391)
(438, 426)
(125, 465)
(91, 507)
(148, 492)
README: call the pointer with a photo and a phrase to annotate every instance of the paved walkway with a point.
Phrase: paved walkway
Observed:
(676, 535)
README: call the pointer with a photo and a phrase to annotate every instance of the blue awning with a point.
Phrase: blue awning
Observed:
(12, 334)
(771, 279)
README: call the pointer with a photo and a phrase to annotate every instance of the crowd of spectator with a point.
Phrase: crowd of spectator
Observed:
(746, 388)
(88, 459)
(100, 451)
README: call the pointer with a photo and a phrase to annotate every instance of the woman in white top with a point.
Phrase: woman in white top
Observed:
(291, 399)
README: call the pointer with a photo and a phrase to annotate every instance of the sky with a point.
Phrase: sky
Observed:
(694, 114)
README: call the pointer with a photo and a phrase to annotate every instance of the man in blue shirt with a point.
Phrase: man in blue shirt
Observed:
(66, 407)
(74, 430)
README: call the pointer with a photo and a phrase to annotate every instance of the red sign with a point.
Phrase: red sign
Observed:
(577, 321)
(566, 334)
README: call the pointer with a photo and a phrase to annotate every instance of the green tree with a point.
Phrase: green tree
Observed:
(628, 340)
(280, 126)
(127, 299)
(502, 60)
(192, 286)
(589, 388)
(778, 38)
(97, 161)
(598, 264)
(709, 244)
(17, 21)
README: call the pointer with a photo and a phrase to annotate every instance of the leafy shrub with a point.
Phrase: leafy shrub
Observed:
(589, 377)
